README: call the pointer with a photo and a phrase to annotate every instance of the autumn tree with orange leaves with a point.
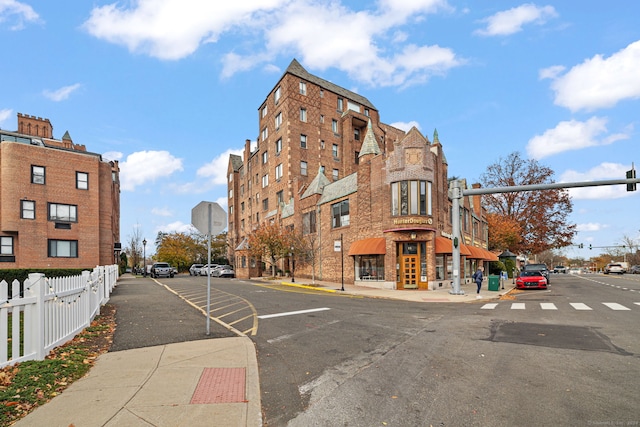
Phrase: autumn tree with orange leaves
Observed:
(269, 243)
(539, 217)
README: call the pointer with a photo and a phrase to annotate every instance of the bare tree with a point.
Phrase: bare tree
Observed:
(135, 246)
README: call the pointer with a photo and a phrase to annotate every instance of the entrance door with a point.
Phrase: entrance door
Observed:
(409, 271)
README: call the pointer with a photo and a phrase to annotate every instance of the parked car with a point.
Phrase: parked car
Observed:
(575, 270)
(560, 269)
(175, 270)
(207, 269)
(614, 268)
(224, 271)
(635, 269)
(533, 279)
(161, 269)
(542, 268)
(194, 270)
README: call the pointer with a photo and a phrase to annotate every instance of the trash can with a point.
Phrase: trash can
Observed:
(494, 283)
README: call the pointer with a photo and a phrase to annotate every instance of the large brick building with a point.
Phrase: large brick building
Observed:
(327, 166)
(59, 204)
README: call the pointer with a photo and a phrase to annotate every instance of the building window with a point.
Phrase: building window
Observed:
(303, 114)
(265, 157)
(357, 158)
(356, 134)
(334, 150)
(82, 180)
(411, 198)
(340, 214)
(231, 193)
(321, 93)
(303, 168)
(334, 126)
(309, 222)
(242, 189)
(265, 133)
(242, 225)
(321, 118)
(366, 112)
(242, 207)
(336, 174)
(278, 121)
(340, 104)
(231, 210)
(37, 174)
(303, 88)
(303, 141)
(60, 212)
(264, 111)
(63, 248)
(265, 204)
(276, 96)
(369, 267)
(6, 245)
(280, 197)
(353, 106)
(27, 209)
(278, 172)
(278, 145)
(265, 180)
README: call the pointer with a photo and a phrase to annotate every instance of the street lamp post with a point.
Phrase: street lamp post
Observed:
(293, 264)
(144, 256)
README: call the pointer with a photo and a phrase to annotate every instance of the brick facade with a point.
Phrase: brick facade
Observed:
(322, 148)
(85, 238)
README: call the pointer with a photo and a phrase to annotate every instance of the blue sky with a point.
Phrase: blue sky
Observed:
(171, 87)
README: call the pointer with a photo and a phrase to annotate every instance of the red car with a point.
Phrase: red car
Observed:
(531, 280)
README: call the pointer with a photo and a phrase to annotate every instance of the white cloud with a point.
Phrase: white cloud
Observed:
(511, 21)
(147, 166)
(590, 226)
(161, 211)
(112, 155)
(602, 172)
(217, 168)
(20, 11)
(571, 135)
(406, 126)
(174, 29)
(62, 93)
(551, 72)
(5, 114)
(600, 82)
(175, 227)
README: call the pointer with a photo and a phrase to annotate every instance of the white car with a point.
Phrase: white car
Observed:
(207, 268)
(194, 270)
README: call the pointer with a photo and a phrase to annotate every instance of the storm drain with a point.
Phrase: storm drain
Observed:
(220, 385)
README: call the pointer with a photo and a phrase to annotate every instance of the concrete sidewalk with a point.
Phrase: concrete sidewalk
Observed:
(210, 382)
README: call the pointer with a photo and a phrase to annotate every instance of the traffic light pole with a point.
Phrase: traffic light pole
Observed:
(457, 192)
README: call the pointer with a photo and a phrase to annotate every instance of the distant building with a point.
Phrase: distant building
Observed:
(325, 165)
(59, 204)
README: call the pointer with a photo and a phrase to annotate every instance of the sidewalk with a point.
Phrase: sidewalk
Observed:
(210, 382)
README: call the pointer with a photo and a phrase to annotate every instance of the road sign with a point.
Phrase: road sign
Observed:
(205, 211)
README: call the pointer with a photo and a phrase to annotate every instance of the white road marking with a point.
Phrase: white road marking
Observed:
(548, 306)
(492, 306)
(292, 313)
(517, 306)
(615, 306)
(580, 306)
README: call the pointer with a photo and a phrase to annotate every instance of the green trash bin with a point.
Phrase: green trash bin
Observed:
(494, 283)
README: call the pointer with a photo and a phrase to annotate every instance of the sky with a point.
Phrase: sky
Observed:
(170, 88)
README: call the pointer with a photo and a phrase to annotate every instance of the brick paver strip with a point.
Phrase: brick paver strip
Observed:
(220, 385)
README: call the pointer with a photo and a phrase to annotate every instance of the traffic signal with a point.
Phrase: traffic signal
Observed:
(580, 246)
(590, 246)
(631, 174)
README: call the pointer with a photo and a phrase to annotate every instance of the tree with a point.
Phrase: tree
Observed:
(135, 248)
(541, 215)
(504, 232)
(270, 244)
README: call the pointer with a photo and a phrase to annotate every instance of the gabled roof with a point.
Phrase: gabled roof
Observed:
(298, 70)
(236, 162)
(343, 187)
(369, 145)
(317, 185)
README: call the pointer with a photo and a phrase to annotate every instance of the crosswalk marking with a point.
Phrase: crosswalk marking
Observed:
(517, 306)
(637, 303)
(489, 306)
(580, 306)
(548, 306)
(615, 306)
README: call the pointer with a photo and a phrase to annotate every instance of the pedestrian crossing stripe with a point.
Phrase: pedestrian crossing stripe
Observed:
(551, 306)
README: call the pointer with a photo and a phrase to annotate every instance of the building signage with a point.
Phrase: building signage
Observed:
(400, 221)
(337, 245)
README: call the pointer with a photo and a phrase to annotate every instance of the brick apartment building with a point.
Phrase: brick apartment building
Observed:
(59, 204)
(326, 165)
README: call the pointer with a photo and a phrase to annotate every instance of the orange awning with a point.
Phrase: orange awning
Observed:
(372, 246)
(445, 246)
(476, 253)
(490, 256)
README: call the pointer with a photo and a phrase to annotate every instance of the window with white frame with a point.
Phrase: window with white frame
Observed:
(265, 157)
(353, 106)
(356, 134)
(61, 212)
(303, 88)
(334, 126)
(278, 120)
(265, 204)
(411, 198)
(280, 197)
(334, 150)
(264, 111)
(366, 112)
(63, 248)
(279, 172)
(303, 141)
(340, 104)
(265, 133)
(265, 180)
(37, 174)
(82, 180)
(303, 114)
(277, 94)
(278, 145)
(336, 174)
(340, 214)
(303, 168)
(6, 245)
(309, 222)
(27, 209)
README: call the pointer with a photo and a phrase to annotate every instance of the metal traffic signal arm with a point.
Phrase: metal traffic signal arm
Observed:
(458, 193)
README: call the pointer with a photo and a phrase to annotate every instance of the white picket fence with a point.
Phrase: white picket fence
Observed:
(52, 310)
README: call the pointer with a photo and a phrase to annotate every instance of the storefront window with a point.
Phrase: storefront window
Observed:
(439, 267)
(423, 261)
(369, 267)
